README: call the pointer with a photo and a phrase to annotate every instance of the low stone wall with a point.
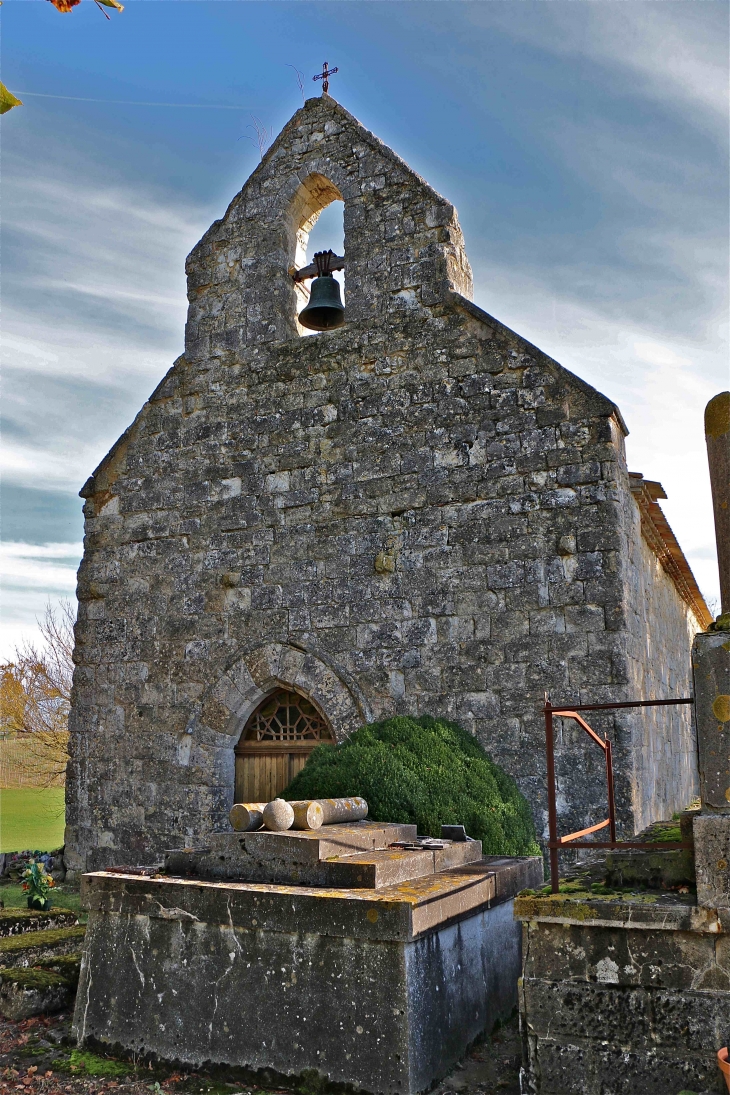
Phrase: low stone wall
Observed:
(625, 996)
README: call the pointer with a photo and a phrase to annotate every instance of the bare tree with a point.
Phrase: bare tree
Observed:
(263, 137)
(300, 81)
(35, 697)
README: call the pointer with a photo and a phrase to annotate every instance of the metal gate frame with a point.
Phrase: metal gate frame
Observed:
(556, 843)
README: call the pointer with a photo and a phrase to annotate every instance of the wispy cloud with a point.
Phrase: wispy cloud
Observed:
(92, 316)
(664, 52)
(93, 312)
(31, 577)
(598, 229)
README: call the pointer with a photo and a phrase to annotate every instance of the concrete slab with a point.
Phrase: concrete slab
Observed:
(291, 856)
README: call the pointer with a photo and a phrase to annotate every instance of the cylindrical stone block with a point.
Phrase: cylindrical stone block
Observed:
(245, 817)
(308, 814)
(278, 815)
(342, 809)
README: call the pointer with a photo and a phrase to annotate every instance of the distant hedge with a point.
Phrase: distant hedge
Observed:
(425, 771)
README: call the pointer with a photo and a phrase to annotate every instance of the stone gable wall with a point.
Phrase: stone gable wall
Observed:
(417, 513)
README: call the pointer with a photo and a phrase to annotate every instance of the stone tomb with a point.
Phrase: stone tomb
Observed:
(359, 951)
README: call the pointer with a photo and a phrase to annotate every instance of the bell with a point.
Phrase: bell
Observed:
(325, 310)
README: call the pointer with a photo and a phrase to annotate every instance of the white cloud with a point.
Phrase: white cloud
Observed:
(93, 312)
(31, 576)
(662, 51)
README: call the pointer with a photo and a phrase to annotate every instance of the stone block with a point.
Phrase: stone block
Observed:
(382, 991)
(622, 995)
(711, 673)
(712, 862)
(24, 996)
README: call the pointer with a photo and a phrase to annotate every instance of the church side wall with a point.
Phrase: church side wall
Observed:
(661, 627)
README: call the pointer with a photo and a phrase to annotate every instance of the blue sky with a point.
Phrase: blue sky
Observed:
(584, 143)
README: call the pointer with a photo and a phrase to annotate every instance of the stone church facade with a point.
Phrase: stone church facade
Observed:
(417, 513)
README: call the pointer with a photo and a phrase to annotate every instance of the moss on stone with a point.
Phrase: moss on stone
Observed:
(669, 833)
(13, 921)
(49, 937)
(92, 1065)
(38, 979)
(68, 965)
(47, 973)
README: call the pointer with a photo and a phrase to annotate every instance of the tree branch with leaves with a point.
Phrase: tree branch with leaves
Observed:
(35, 697)
(7, 99)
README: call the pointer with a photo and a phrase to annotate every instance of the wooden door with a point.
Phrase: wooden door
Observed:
(275, 744)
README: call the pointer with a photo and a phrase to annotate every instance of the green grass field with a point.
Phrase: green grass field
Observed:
(31, 818)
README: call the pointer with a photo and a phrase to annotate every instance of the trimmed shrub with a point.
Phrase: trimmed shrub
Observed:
(427, 772)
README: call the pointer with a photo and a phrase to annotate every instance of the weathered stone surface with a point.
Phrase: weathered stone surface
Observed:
(31, 947)
(398, 912)
(711, 673)
(655, 868)
(381, 990)
(278, 816)
(636, 999)
(330, 856)
(27, 992)
(18, 921)
(237, 533)
(712, 863)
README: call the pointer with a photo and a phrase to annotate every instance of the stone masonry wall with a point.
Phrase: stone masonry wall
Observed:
(662, 626)
(419, 512)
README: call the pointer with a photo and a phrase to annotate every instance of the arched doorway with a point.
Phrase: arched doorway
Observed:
(275, 744)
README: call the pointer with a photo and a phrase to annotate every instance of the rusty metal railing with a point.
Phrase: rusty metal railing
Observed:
(556, 843)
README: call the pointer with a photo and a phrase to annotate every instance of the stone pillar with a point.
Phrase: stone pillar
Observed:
(717, 436)
(711, 672)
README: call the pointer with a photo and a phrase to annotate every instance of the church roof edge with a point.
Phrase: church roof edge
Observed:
(465, 305)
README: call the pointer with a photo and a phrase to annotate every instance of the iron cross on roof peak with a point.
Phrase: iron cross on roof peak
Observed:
(324, 76)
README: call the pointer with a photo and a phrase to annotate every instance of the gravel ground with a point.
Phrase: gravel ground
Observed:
(38, 1057)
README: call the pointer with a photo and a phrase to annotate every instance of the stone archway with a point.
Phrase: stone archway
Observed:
(275, 744)
(228, 705)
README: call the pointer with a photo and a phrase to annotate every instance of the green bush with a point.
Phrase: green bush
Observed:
(427, 772)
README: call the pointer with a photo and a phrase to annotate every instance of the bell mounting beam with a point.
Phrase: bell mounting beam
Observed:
(324, 263)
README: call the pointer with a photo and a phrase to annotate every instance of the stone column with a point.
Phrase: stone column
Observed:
(717, 436)
(711, 672)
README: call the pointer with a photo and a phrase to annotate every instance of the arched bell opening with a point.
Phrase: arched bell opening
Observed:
(275, 744)
(317, 212)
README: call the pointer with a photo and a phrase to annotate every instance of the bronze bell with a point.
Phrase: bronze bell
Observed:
(325, 309)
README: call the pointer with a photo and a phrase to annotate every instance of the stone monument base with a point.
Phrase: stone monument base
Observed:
(381, 988)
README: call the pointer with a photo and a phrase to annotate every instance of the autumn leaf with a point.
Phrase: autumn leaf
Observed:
(64, 5)
(111, 4)
(8, 100)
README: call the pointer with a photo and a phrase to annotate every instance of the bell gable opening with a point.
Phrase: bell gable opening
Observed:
(317, 213)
